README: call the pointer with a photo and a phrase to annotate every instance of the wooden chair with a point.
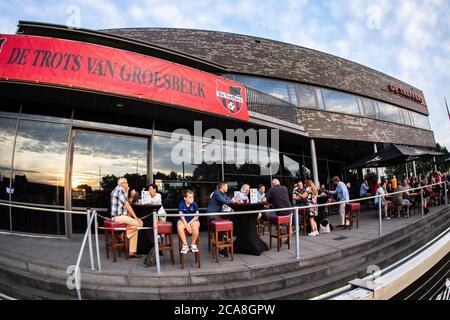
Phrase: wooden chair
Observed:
(165, 229)
(225, 227)
(278, 222)
(352, 211)
(115, 239)
(196, 254)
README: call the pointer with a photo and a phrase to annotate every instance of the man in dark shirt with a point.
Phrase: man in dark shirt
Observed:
(216, 202)
(278, 196)
(218, 199)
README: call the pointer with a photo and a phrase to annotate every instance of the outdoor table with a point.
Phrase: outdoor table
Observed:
(145, 236)
(247, 240)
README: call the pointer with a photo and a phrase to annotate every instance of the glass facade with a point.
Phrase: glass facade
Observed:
(40, 152)
(314, 97)
(7, 133)
(38, 175)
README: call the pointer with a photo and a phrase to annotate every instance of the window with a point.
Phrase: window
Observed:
(275, 88)
(389, 112)
(421, 121)
(38, 175)
(320, 103)
(177, 174)
(340, 102)
(406, 117)
(306, 96)
(370, 108)
(7, 132)
(292, 93)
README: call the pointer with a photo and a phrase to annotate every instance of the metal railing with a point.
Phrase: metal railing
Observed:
(92, 217)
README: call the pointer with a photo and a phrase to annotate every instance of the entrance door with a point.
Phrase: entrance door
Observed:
(99, 160)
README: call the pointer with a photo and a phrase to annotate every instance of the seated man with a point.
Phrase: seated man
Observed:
(188, 223)
(121, 211)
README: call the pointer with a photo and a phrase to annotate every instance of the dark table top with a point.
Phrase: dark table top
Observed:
(246, 207)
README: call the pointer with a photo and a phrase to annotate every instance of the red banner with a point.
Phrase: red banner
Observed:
(109, 70)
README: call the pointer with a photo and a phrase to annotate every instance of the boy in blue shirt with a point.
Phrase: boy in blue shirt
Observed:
(188, 223)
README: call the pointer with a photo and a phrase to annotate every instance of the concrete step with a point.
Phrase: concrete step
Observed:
(292, 280)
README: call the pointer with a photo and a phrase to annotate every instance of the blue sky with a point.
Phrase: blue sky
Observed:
(409, 40)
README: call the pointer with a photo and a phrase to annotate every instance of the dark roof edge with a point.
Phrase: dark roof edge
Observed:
(176, 55)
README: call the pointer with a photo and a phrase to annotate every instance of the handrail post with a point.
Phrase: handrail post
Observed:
(421, 201)
(297, 237)
(380, 227)
(96, 242)
(155, 239)
(89, 231)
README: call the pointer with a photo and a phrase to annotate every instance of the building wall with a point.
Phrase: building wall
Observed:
(320, 124)
(257, 56)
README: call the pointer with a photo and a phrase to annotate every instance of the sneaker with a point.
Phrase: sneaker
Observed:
(184, 249)
(317, 233)
(194, 248)
(387, 218)
(312, 234)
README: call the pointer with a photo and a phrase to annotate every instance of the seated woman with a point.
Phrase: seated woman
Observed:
(188, 223)
(384, 203)
(242, 196)
(155, 197)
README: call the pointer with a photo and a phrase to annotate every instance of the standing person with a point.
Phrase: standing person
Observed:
(312, 211)
(188, 223)
(121, 211)
(394, 183)
(341, 192)
(278, 196)
(384, 203)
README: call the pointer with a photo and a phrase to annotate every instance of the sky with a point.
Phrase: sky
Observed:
(406, 39)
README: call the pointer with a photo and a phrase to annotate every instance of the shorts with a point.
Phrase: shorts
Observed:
(179, 220)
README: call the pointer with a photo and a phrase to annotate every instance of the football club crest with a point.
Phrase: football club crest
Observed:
(230, 97)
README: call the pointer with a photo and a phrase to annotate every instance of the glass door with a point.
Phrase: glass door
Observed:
(99, 160)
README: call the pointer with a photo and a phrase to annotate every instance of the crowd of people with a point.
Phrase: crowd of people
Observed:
(304, 194)
(404, 194)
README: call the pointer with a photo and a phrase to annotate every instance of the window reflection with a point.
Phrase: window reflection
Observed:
(369, 108)
(421, 121)
(39, 162)
(306, 96)
(38, 175)
(389, 112)
(340, 102)
(7, 132)
(276, 88)
(406, 117)
(99, 160)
